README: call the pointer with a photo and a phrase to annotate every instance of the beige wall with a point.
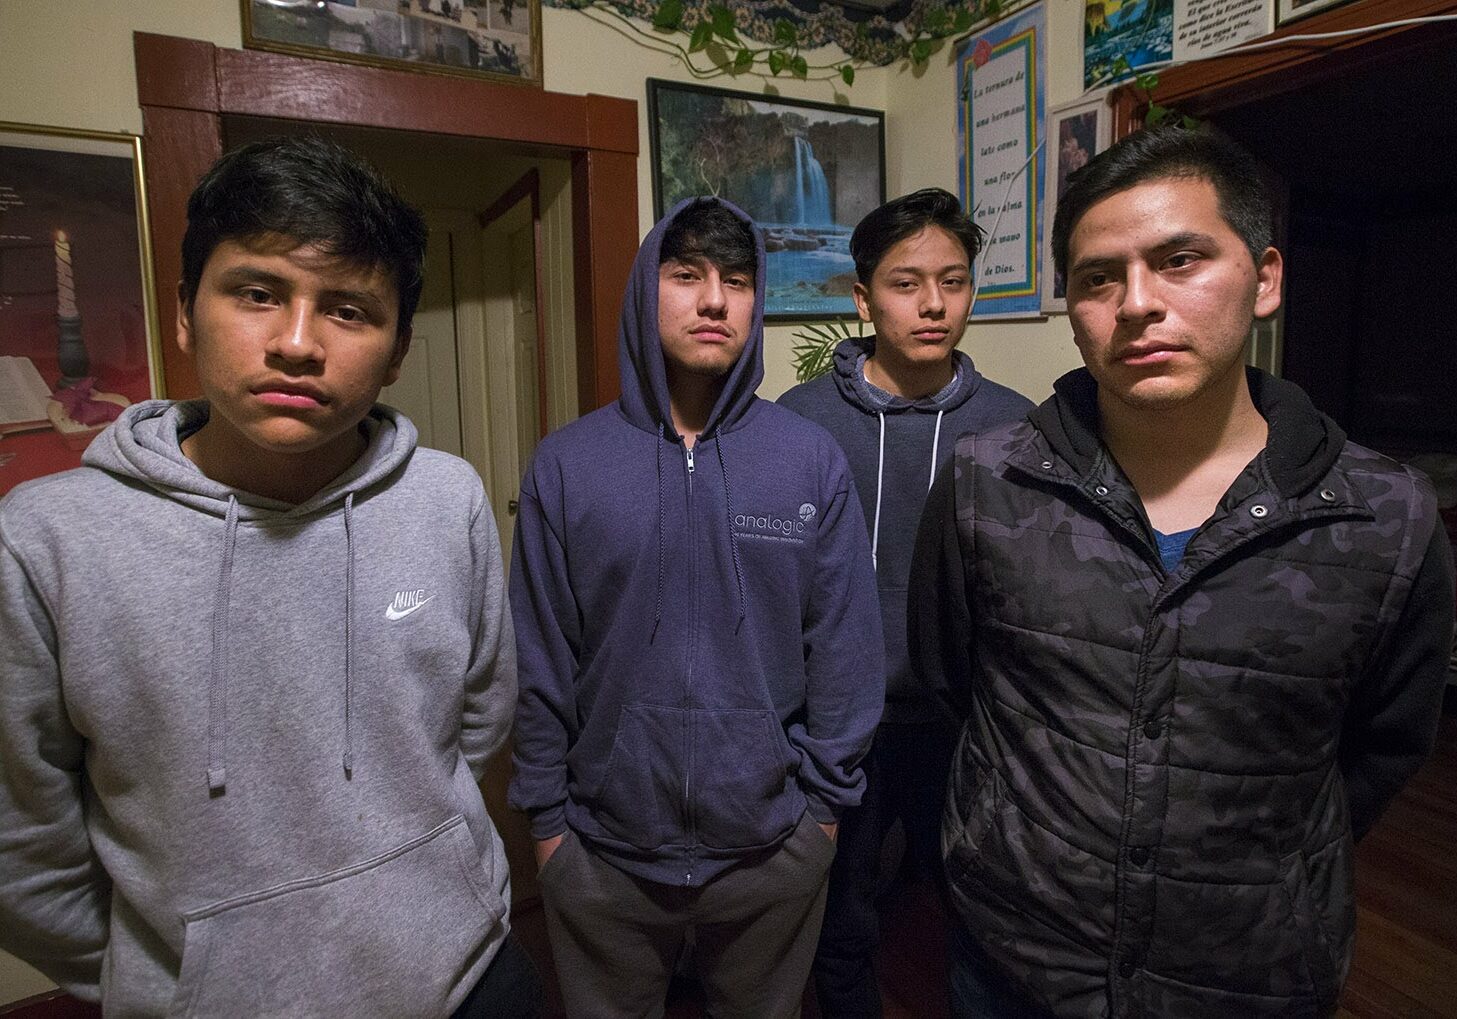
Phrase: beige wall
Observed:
(69, 63)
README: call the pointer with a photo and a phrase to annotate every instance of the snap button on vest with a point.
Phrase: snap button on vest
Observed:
(1151, 729)
(1327, 495)
(1101, 490)
(1259, 512)
(1139, 856)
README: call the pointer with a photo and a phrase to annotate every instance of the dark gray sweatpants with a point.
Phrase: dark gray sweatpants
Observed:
(615, 937)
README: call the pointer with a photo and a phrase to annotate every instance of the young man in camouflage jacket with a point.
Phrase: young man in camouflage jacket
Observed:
(1197, 638)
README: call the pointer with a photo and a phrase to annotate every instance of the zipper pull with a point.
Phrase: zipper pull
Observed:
(689, 451)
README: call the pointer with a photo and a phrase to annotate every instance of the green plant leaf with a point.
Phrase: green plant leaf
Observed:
(1156, 115)
(963, 20)
(723, 23)
(847, 74)
(799, 66)
(669, 15)
(1190, 123)
(702, 33)
(936, 20)
(777, 60)
(1147, 82)
(814, 354)
(920, 51)
(785, 34)
(743, 60)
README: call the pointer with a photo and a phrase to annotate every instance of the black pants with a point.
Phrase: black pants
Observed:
(905, 779)
(509, 989)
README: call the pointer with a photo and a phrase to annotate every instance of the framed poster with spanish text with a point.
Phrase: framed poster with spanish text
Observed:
(78, 336)
(1000, 110)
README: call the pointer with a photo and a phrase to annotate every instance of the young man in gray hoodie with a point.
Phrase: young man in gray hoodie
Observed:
(255, 654)
(896, 401)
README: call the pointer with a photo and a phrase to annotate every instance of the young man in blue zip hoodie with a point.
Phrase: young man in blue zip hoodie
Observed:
(700, 650)
(896, 402)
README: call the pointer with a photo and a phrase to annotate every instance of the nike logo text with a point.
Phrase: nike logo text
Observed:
(407, 602)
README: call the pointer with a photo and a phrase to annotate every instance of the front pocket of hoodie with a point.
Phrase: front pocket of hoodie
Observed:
(641, 796)
(742, 793)
(385, 937)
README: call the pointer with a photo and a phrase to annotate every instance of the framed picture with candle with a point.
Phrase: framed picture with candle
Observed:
(78, 333)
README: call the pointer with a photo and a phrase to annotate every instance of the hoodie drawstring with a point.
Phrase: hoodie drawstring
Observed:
(348, 633)
(879, 484)
(217, 691)
(880, 479)
(935, 448)
(733, 539)
(658, 606)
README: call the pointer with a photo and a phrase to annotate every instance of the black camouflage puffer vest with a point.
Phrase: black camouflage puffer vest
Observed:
(1147, 816)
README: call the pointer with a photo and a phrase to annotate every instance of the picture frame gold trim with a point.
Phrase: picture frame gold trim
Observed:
(70, 313)
(253, 39)
(133, 144)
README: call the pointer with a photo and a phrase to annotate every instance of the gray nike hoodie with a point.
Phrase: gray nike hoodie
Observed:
(240, 740)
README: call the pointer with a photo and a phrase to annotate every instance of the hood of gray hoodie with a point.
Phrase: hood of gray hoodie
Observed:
(145, 444)
(849, 359)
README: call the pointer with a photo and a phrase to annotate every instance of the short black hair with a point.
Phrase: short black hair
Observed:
(906, 216)
(707, 229)
(1172, 152)
(307, 191)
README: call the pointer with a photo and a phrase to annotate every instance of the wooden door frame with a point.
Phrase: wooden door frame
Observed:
(1209, 86)
(186, 86)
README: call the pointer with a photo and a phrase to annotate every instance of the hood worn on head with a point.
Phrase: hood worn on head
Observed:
(145, 444)
(644, 375)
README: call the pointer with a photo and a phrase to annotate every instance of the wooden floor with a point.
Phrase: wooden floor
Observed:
(1406, 942)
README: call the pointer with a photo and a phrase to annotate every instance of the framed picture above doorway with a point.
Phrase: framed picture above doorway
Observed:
(497, 39)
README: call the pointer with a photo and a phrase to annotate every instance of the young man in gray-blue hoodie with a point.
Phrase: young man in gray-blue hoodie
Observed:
(255, 654)
(896, 402)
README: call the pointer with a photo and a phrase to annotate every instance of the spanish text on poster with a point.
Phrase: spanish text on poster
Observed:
(1000, 119)
(1203, 27)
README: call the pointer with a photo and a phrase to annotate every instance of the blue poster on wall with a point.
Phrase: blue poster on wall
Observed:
(1001, 108)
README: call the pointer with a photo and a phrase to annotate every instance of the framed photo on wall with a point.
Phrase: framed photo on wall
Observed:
(78, 318)
(1287, 11)
(1076, 133)
(807, 173)
(499, 39)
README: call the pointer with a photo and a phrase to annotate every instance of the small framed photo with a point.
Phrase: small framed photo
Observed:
(1075, 134)
(1287, 11)
(807, 173)
(499, 39)
(78, 316)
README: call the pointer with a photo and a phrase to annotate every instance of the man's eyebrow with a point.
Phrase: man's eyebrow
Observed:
(343, 295)
(240, 274)
(1178, 240)
(914, 270)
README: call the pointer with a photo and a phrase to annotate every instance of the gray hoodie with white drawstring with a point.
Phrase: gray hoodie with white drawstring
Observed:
(240, 740)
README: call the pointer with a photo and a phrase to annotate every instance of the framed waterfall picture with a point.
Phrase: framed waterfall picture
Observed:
(78, 337)
(806, 172)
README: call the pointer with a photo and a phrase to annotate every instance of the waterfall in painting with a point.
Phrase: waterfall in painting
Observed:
(811, 190)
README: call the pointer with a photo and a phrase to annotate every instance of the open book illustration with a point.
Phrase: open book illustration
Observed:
(23, 396)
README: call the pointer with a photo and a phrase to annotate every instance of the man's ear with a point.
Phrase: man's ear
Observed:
(184, 322)
(402, 347)
(1269, 274)
(862, 300)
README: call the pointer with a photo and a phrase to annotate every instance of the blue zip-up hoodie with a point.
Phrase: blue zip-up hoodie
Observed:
(895, 447)
(699, 645)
